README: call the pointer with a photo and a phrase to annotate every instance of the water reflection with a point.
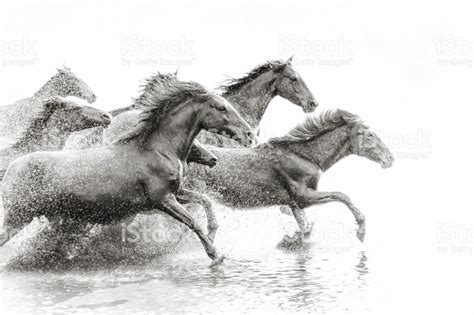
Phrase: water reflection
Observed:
(306, 281)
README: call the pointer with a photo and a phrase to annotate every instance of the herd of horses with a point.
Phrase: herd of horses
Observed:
(178, 143)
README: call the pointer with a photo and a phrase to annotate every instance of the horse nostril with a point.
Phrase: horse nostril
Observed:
(313, 104)
(250, 134)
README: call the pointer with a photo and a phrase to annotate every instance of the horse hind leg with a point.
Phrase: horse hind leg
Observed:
(170, 206)
(188, 196)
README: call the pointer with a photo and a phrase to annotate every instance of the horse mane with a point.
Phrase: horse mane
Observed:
(156, 83)
(231, 85)
(156, 105)
(38, 123)
(315, 125)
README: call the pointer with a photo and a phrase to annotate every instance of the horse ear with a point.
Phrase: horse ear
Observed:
(288, 62)
(176, 72)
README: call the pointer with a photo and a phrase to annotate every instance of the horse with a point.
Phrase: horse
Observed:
(64, 83)
(140, 172)
(286, 170)
(126, 120)
(49, 130)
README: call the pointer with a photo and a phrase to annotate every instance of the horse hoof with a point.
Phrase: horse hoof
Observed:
(217, 261)
(309, 230)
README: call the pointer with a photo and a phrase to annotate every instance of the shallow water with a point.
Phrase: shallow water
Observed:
(256, 275)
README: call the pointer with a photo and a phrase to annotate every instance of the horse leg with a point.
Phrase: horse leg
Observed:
(188, 196)
(302, 221)
(170, 206)
(312, 197)
(294, 189)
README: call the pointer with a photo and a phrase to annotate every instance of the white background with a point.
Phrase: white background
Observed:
(405, 67)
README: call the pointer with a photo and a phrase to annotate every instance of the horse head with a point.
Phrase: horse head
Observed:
(70, 116)
(291, 86)
(199, 154)
(218, 116)
(366, 143)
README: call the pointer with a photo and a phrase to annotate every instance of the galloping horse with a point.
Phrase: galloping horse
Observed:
(286, 170)
(15, 117)
(50, 129)
(140, 172)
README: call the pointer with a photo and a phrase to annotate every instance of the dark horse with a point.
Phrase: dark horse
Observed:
(49, 130)
(286, 170)
(141, 172)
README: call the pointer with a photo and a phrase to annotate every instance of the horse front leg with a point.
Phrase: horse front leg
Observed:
(188, 196)
(302, 221)
(312, 197)
(170, 206)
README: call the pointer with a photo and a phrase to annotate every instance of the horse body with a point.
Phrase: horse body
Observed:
(105, 185)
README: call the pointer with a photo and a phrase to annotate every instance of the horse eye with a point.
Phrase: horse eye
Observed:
(294, 79)
(222, 109)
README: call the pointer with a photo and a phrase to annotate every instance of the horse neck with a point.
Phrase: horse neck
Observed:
(252, 99)
(176, 132)
(325, 150)
(51, 88)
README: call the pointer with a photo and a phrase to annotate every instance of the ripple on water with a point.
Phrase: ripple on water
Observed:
(255, 275)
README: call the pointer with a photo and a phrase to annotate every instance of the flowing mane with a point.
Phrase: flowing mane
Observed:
(156, 83)
(232, 84)
(38, 123)
(315, 125)
(156, 105)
